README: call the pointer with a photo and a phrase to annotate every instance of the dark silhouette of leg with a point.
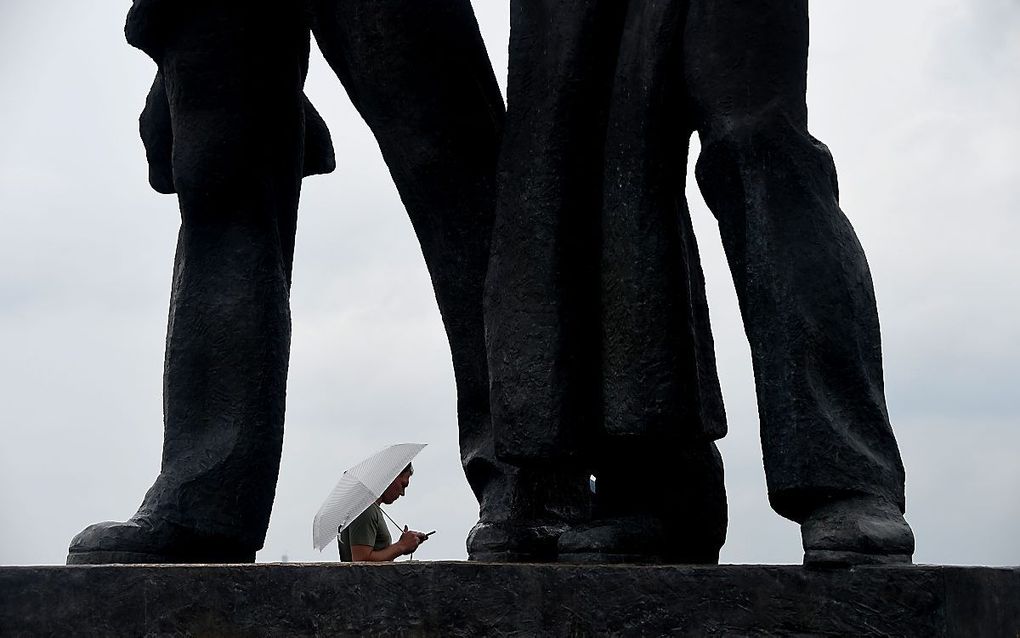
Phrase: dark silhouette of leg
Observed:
(419, 75)
(658, 363)
(660, 494)
(802, 281)
(541, 295)
(542, 302)
(233, 73)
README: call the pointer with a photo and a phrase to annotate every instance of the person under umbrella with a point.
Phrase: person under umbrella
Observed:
(367, 538)
(354, 501)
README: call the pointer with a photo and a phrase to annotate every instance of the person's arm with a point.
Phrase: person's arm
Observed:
(408, 542)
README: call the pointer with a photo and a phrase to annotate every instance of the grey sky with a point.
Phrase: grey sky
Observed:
(916, 99)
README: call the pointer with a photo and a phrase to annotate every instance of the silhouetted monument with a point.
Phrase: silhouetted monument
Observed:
(594, 331)
(227, 128)
(600, 353)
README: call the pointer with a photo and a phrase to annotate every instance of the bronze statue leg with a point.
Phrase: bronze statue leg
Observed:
(659, 375)
(599, 346)
(802, 280)
(233, 74)
(661, 401)
(542, 287)
(542, 301)
(419, 75)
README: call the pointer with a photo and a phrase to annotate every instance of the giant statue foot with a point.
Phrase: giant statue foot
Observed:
(653, 504)
(536, 507)
(643, 539)
(144, 539)
(857, 531)
(514, 542)
(630, 539)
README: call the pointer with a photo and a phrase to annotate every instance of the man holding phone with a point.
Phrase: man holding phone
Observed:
(367, 538)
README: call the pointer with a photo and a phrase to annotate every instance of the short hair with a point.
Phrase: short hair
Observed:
(407, 470)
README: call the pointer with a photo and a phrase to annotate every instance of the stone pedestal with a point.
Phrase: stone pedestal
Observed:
(474, 599)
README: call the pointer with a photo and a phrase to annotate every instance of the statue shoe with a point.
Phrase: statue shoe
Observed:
(143, 540)
(857, 531)
(641, 539)
(517, 542)
(616, 540)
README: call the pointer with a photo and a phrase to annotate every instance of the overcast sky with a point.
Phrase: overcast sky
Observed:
(917, 100)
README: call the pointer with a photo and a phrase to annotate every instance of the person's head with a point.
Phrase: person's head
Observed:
(397, 487)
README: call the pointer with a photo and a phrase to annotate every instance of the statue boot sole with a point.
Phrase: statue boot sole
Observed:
(152, 540)
(835, 558)
(633, 540)
(129, 558)
(610, 558)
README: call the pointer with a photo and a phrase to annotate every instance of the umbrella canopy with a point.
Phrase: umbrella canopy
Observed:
(358, 488)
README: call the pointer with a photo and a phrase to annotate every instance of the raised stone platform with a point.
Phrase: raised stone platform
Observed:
(472, 599)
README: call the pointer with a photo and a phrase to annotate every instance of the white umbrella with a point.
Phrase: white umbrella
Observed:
(358, 488)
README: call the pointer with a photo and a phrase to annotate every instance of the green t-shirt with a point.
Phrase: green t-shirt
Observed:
(369, 528)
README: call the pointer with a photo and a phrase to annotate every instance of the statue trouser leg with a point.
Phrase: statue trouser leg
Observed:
(802, 281)
(542, 302)
(542, 289)
(419, 75)
(661, 401)
(233, 74)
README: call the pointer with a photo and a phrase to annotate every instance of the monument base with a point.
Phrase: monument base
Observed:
(474, 599)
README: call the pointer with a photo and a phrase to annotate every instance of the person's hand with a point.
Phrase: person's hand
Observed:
(409, 540)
